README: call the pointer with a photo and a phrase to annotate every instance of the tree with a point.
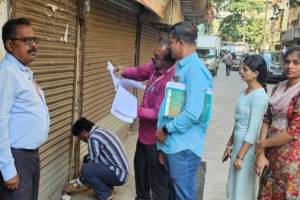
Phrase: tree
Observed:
(254, 32)
(246, 20)
(246, 6)
(229, 27)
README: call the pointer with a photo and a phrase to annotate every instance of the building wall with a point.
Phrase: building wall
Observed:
(3, 19)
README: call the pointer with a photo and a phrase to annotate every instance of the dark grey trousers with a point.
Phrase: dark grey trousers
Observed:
(28, 169)
(150, 175)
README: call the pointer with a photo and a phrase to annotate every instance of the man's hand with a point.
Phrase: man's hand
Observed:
(119, 70)
(260, 163)
(161, 158)
(238, 164)
(13, 183)
(160, 136)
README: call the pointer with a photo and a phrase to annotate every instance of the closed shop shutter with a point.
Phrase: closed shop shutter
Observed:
(55, 23)
(110, 34)
(149, 42)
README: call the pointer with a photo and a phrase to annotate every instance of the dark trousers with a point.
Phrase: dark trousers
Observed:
(28, 168)
(228, 68)
(100, 178)
(150, 175)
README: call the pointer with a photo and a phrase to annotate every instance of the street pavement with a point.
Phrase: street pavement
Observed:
(226, 92)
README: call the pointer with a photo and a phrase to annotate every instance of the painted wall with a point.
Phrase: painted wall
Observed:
(3, 19)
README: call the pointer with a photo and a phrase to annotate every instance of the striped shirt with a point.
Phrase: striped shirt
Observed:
(105, 147)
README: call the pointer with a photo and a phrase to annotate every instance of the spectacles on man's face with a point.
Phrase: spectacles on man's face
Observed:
(27, 40)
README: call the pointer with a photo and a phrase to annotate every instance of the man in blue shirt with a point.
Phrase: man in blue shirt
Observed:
(182, 138)
(24, 116)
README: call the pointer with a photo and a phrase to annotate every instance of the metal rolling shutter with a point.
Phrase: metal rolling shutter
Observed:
(149, 41)
(54, 71)
(110, 34)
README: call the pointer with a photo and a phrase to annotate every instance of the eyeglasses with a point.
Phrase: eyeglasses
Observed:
(28, 40)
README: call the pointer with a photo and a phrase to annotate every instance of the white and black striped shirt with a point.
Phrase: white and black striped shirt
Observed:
(105, 147)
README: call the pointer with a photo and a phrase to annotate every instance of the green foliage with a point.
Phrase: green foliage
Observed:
(229, 27)
(254, 32)
(246, 6)
(217, 3)
(246, 18)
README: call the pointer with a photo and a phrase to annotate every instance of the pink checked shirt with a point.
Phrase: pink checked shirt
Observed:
(153, 96)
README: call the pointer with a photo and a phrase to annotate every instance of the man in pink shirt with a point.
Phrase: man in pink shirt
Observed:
(150, 175)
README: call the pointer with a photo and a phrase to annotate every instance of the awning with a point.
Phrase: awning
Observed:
(169, 12)
(156, 6)
(193, 10)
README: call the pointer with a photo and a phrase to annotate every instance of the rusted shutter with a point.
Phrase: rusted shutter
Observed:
(149, 41)
(110, 34)
(55, 23)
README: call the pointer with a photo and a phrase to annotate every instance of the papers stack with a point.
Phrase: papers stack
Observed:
(124, 105)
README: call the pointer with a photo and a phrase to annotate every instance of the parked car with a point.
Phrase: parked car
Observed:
(208, 48)
(275, 70)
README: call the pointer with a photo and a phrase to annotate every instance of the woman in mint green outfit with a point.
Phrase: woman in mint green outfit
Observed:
(249, 112)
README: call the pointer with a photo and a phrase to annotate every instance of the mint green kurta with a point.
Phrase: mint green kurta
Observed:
(249, 113)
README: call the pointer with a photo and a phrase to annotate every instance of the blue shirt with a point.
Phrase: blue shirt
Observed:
(186, 130)
(24, 116)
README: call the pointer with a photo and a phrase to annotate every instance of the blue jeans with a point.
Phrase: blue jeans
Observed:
(183, 166)
(100, 178)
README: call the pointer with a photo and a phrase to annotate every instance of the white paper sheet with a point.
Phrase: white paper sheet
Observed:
(124, 105)
(114, 78)
(125, 83)
(121, 116)
(128, 84)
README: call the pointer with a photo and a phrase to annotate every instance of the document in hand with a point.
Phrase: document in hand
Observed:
(125, 83)
(124, 105)
(114, 78)
(175, 99)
